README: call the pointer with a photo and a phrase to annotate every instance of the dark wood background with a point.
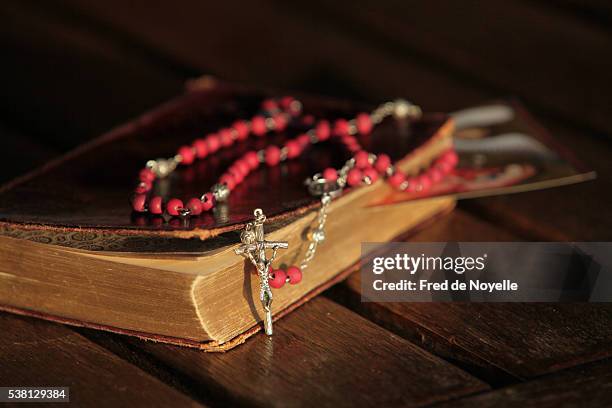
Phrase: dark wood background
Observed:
(73, 69)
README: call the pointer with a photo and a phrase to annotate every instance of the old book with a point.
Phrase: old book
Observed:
(72, 251)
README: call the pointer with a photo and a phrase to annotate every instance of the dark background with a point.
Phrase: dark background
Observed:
(71, 70)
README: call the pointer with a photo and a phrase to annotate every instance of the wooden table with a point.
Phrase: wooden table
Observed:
(74, 69)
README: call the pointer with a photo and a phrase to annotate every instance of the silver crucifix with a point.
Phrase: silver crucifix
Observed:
(254, 248)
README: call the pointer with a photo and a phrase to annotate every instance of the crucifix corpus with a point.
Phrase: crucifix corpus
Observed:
(254, 248)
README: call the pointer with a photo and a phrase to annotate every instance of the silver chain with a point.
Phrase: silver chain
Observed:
(317, 235)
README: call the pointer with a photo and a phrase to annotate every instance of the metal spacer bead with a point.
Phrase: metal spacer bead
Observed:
(220, 192)
(270, 124)
(261, 156)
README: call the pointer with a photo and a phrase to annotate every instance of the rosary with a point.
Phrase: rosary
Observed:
(363, 168)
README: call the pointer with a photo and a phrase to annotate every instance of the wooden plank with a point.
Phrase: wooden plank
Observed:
(37, 353)
(321, 354)
(523, 340)
(586, 386)
(63, 84)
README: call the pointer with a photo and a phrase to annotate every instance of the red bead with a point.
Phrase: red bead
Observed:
(225, 137)
(451, 157)
(412, 184)
(444, 166)
(303, 140)
(242, 129)
(236, 174)
(280, 122)
(272, 155)
(364, 123)
(341, 127)
(277, 278)
(293, 149)
(173, 206)
(371, 173)
(201, 148)
(354, 177)
(156, 205)
(397, 179)
(269, 105)
(435, 174)
(251, 159)
(194, 205)
(382, 163)
(213, 143)
(286, 102)
(208, 201)
(138, 202)
(361, 159)
(424, 182)
(187, 154)
(322, 130)
(330, 174)
(146, 175)
(228, 180)
(295, 275)
(308, 120)
(143, 187)
(258, 125)
(242, 166)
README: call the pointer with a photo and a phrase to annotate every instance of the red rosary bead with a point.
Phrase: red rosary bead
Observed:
(228, 180)
(225, 137)
(361, 159)
(258, 125)
(286, 102)
(382, 163)
(424, 182)
(273, 154)
(277, 278)
(251, 159)
(213, 143)
(293, 149)
(208, 201)
(138, 202)
(341, 127)
(330, 174)
(364, 123)
(173, 206)
(322, 130)
(371, 173)
(156, 205)
(242, 129)
(354, 177)
(397, 179)
(187, 154)
(280, 122)
(242, 166)
(143, 187)
(303, 140)
(147, 175)
(294, 274)
(201, 148)
(194, 206)
(269, 105)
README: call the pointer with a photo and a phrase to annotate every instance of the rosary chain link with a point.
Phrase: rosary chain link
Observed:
(318, 234)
